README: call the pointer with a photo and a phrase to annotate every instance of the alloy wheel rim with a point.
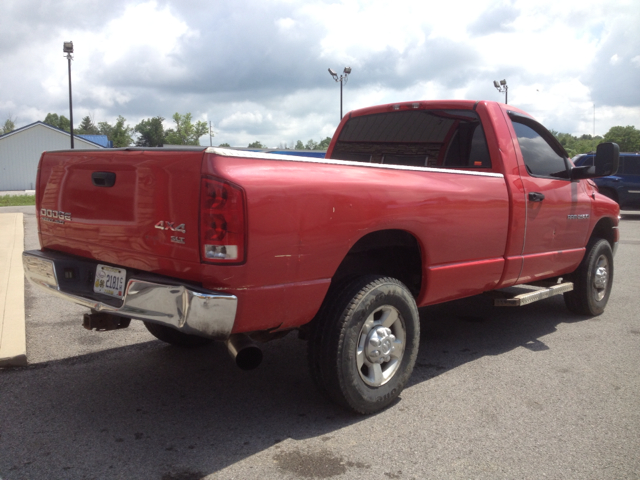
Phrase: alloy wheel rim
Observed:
(600, 277)
(381, 346)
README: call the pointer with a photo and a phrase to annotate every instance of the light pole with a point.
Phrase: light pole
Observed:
(502, 87)
(342, 79)
(67, 48)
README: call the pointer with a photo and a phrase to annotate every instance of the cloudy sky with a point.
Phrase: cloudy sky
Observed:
(257, 69)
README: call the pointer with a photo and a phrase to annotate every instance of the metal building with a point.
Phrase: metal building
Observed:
(20, 152)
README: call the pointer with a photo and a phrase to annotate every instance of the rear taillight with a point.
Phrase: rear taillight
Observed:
(222, 222)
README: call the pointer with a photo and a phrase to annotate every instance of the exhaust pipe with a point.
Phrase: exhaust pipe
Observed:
(244, 351)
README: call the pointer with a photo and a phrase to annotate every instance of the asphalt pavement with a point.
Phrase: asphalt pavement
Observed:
(497, 393)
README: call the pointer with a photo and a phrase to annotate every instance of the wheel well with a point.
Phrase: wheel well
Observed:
(604, 229)
(393, 253)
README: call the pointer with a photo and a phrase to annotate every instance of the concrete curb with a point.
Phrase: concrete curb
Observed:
(13, 342)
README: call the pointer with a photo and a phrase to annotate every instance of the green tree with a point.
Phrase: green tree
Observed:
(311, 145)
(324, 144)
(224, 145)
(9, 126)
(256, 144)
(627, 138)
(119, 134)
(60, 122)
(105, 129)
(186, 132)
(87, 127)
(150, 132)
(575, 145)
(299, 145)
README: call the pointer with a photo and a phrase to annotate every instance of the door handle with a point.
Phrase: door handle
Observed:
(536, 196)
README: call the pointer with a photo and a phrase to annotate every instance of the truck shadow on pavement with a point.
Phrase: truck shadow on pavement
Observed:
(160, 412)
(462, 331)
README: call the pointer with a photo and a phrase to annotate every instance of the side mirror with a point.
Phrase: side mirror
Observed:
(607, 159)
(605, 163)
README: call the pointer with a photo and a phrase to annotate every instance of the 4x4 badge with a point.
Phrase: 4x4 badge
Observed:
(163, 225)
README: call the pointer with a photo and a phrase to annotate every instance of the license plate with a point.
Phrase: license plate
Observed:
(110, 280)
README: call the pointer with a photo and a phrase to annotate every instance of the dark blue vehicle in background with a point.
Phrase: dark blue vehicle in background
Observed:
(624, 186)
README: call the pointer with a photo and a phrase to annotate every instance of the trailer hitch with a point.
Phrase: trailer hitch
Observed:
(102, 322)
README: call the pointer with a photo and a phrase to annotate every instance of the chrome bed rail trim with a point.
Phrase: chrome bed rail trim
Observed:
(226, 152)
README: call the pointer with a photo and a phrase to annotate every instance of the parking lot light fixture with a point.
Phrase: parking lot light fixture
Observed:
(501, 86)
(67, 47)
(343, 80)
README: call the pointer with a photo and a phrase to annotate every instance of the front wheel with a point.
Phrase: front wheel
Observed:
(592, 280)
(364, 343)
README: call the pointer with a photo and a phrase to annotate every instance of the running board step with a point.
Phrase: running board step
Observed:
(526, 294)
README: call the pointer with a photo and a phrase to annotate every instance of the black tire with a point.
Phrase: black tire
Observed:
(316, 331)
(174, 337)
(364, 343)
(592, 280)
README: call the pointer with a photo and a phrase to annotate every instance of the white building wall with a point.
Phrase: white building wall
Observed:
(20, 153)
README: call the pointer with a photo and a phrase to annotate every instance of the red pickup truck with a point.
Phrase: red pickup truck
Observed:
(415, 204)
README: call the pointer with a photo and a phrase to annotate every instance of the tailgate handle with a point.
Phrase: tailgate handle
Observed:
(103, 179)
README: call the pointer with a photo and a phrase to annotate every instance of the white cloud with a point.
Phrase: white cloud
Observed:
(141, 25)
(285, 23)
(259, 70)
(242, 119)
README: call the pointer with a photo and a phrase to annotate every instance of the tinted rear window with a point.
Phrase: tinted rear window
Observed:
(418, 138)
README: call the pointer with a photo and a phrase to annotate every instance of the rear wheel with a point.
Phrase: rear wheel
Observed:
(364, 343)
(592, 280)
(174, 337)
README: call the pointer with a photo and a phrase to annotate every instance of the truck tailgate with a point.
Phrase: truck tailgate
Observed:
(136, 208)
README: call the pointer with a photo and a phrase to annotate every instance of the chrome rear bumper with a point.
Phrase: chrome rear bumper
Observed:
(152, 298)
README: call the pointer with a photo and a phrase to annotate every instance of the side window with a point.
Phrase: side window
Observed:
(541, 159)
(632, 166)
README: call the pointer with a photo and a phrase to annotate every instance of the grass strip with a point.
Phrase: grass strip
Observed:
(17, 200)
